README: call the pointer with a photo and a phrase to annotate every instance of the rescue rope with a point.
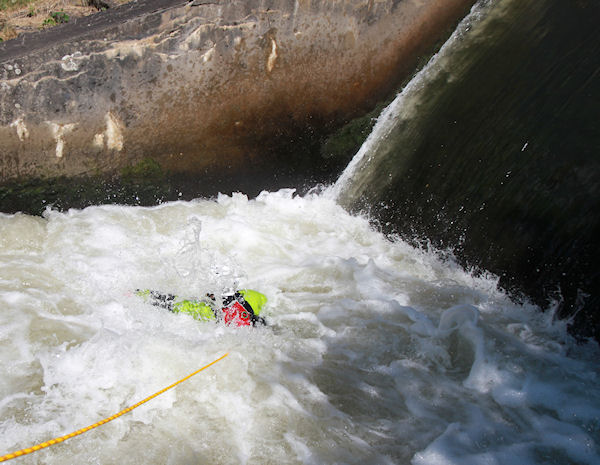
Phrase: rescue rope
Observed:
(43, 445)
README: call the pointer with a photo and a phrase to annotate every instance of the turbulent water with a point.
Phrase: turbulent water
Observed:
(375, 352)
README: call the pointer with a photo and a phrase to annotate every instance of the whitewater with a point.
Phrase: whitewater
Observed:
(375, 352)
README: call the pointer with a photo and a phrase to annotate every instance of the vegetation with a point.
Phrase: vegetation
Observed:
(23, 16)
(56, 17)
(14, 4)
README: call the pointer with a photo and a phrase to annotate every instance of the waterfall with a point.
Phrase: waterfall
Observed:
(398, 124)
(491, 150)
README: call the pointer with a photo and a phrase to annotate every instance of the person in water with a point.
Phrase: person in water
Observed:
(239, 308)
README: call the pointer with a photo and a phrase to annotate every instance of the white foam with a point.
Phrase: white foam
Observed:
(375, 352)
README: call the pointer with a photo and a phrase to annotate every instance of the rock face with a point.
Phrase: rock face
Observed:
(201, 85)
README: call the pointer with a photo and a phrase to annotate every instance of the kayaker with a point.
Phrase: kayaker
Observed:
(239, 308)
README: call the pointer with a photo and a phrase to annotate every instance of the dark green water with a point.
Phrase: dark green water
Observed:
(494, 152)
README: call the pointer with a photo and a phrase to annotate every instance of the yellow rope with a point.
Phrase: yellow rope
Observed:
(29, 450)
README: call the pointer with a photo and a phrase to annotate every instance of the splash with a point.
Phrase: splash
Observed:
(375, 352)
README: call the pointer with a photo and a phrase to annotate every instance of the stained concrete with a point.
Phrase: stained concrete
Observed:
(202, 85)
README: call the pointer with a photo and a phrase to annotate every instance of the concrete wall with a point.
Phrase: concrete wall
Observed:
(201, 84)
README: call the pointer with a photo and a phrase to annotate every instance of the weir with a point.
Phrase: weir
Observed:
(491, 151)
(376, 350)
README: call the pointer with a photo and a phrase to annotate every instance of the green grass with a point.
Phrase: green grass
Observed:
(55, 18)
(14, 4)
